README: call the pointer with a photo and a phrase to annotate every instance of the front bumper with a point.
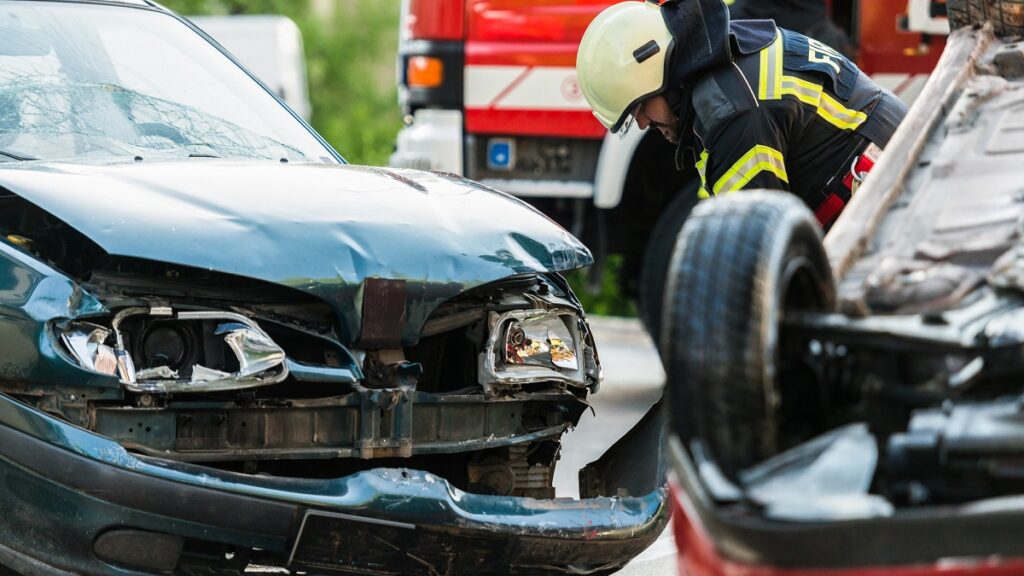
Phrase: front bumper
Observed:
(77, 502)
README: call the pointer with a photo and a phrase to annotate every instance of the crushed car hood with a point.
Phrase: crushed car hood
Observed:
(323, 229)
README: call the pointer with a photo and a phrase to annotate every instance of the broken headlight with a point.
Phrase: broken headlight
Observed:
(534, 345)
(87, 344)
(159, 350)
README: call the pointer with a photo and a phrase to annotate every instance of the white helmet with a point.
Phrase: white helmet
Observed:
(622, 59)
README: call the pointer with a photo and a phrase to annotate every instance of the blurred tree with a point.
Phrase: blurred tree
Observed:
(350, 58)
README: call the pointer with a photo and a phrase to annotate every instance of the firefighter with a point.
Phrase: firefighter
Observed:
(752, 105)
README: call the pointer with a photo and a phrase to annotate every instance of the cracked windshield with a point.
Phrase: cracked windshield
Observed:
(95, 82)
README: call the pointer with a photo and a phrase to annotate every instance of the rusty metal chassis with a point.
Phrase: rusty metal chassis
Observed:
(370, 424)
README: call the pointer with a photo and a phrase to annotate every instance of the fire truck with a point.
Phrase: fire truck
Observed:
(489, 91)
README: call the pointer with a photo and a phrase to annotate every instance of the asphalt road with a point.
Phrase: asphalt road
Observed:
(632, 384)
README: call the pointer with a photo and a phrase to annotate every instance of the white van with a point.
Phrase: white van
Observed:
(270, 47)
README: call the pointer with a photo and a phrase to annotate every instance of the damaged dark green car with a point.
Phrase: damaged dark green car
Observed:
(224, 347)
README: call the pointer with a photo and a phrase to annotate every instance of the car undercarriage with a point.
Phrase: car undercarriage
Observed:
(869, 404)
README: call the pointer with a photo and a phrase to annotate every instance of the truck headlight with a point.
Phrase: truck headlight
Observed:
(533, 345)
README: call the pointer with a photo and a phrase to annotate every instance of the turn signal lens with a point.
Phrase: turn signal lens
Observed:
(424, 72)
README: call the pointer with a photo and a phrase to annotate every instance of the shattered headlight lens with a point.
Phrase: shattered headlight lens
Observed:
(254, 359)
(541, 341)
(86, 342)
(535, 345)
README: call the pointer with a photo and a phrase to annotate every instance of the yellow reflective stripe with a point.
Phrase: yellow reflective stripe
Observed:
(827, 107)
(838, 115)
(770, 79)
(702, 165)
(758, 159)
(806, 92)
(773, 85)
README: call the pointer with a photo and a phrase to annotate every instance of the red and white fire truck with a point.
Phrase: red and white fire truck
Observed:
(489, 91)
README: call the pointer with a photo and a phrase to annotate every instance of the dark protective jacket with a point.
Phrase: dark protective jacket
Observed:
(799, 15)
(808, 17)
(765, 107)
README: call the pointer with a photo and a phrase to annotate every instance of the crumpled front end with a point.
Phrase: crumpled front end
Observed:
(497, 376)
(163, 417)
(185, 436)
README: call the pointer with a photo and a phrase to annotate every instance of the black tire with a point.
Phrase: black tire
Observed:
(1007, 16)
(660, 244)
(741, 261)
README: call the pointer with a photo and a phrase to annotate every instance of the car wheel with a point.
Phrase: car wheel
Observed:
(662, 241)
(1007, 16)
(740, 264)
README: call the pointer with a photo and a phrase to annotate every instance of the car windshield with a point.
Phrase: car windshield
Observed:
(84, 81)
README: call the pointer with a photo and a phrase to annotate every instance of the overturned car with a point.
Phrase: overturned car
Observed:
(856, 406)
(223, 346)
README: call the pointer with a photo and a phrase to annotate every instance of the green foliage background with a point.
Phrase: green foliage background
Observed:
(602, 294)
(350, 54)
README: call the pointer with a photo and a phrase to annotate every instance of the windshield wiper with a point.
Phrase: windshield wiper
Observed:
(16, 157)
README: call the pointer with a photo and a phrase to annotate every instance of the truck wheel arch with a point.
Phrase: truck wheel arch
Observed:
(613, 163)
(646, 184)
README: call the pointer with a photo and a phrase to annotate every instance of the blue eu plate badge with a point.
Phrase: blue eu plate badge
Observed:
(501, 153)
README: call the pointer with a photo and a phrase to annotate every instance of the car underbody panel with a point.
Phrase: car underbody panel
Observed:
(913, 452)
